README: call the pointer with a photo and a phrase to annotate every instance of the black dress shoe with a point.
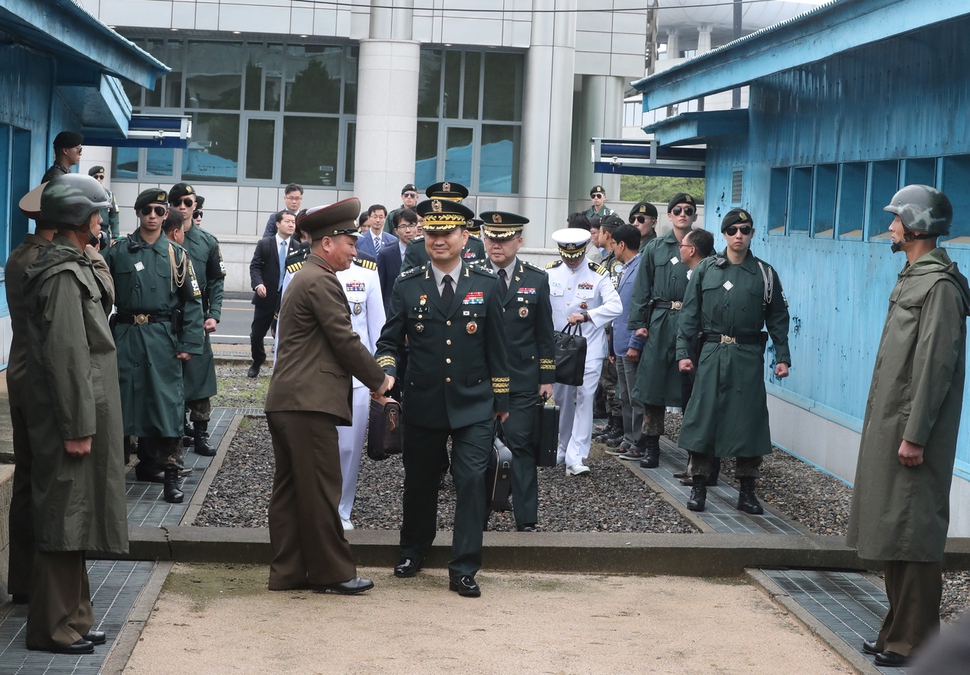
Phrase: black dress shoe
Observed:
(253, 371)
(869, 647)
(183, 473)
(350, 587)
(465, 586)
(21, 599)
(77, 649)
(149, 475)
(96, 637)
(891, 660)
(406, 568)
(531, 527)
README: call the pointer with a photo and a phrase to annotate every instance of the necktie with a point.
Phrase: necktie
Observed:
(504, 278)
(447, 293)
(282, 263)
(377, 244)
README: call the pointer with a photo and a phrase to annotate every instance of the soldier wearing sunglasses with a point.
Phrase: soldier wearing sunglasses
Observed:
(730, 298)
(643, 216)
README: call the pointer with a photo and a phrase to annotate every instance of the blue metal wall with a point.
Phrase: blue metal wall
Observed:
(898, 99)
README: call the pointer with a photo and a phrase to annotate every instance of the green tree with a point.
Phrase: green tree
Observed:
(659, 189)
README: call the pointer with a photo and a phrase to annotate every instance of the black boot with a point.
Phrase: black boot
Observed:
(147, 473)
(172, 493)
(715, 473)
(747, 501)
(187, 435)
(698, 495)
(608, 430)
(652, 459)
(202, 446)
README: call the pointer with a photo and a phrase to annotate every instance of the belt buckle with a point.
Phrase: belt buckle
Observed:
(728, 340)
(141, 319)
(676, 304)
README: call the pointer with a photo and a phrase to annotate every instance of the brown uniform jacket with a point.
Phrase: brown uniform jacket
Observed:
(319, 351)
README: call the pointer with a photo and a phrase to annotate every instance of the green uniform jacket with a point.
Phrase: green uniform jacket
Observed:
(604, 212)
(902, 512)
(458, 372)
(199, 373)
(728, 411)
(111, 217)
(416, 255)
(150, 376)
(529, 342)
(78, 503)
(650, 237)
(662, 276)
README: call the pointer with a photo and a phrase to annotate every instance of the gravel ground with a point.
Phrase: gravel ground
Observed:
(235, 390)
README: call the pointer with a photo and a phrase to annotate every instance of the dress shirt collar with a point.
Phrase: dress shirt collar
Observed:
(440, 275)
(280, 241)
(508, 269)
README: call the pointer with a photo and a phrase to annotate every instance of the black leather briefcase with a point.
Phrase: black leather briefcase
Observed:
(570, 355)
(545, 433)
(385, 432)
(498, 475)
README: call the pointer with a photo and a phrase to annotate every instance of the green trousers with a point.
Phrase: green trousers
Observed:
(518, 436)
(915, 590)
(60, 612)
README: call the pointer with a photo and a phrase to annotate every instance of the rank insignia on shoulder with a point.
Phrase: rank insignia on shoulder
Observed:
(366, 264)
(555, 263)
(196, 291)
(596, 267)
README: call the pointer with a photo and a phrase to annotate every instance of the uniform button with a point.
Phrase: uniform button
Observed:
(568, 304)
(447, 342)
(569, 288)
(153, 289)
(447, 379)
(447, 323)
(447, 360)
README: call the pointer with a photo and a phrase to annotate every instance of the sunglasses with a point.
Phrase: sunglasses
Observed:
(185, 201)
(640, 219)
(147, 210)
(409, 194)
(597, 195)
(687, 210)
(196, 214)
(99, 176)
(732, 230)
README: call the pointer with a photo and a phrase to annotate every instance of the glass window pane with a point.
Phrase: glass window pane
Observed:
(499, 163)
(426, 155)
(502, 95)
(429, 86)
(458, 155)
(259, 149)
(133, 92)
(174, 55)
(213, 152)
(350, 82)
(313, 78)
(153, 97)
(351, 148)
(310, 150)
(452, 83)
(159, 162)
(214, 78)
(473, 67)
(274, 77)
(124, 162)
(254, 83)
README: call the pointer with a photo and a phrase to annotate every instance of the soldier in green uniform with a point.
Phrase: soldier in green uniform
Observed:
(199, 374)
(110, 216)
(643, 216)
(656, 301)
(531, 353)
(158, 327)
(416, 253)
(730, 298)
(457, 383)
(599, 208)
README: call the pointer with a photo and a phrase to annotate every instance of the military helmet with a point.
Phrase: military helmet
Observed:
(71, 199)
(922, 208)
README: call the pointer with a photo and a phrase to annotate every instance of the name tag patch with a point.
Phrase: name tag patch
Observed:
(728, 285)
(139, 266)
(674, 260)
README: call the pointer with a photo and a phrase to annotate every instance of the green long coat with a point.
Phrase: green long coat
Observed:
(199, 373)
(150, 375)
(901, 512)
(728, 411)
(78, 503)
(662, 276)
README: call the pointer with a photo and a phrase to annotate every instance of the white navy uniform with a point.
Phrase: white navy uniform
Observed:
(569, 290)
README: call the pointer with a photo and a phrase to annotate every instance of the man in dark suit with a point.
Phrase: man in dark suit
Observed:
(373, 241)
(269, 260)
(457, 383)
(390, 258)
(308, 398)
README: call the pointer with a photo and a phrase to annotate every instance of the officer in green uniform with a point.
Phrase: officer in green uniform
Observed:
(643, 216)
(456, 385)
(416, 254)
(730, 298)
(199, 374)
(531, 353)
(599, 208)
(656, 301)
(110, 216)
(158, 327)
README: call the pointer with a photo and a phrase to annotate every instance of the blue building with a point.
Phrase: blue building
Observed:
(60, 68)
(847, 103)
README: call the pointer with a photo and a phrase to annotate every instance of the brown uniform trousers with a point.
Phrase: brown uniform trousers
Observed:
(60, 600)
(915, 590)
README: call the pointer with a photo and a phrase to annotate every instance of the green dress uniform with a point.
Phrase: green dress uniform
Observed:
(604, 212)
(728, 414)
(457, 379)
(199, 373)
(153, 281)
(416, 255)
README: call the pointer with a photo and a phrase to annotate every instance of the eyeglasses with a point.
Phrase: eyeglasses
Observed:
(687, 245)
(185, 201)
(640, 219)
(406, 226)
(99, 176)
(732, 230)
(687, 210)
(410, 195)
(147, 210)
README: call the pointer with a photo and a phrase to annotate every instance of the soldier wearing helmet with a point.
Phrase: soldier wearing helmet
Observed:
(73, 416)
(900, 505)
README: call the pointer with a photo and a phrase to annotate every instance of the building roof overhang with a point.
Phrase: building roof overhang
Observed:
(695, 128)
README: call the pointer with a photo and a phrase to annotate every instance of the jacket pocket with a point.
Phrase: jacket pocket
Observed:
(476, 377)
(332, 369)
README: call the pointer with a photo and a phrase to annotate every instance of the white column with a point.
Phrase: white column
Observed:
(547, 113)
(703, 39)
(600, 115)
(673, 43)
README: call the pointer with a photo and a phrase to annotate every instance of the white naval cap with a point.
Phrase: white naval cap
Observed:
(571, 241)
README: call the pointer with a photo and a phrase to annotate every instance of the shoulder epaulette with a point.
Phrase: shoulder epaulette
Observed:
(530, 266)
(596, 267)
(295, 267)
(554, 263)
(420, 237)
(474, 236)
(482, 269)
(366, 264)
(411, 271)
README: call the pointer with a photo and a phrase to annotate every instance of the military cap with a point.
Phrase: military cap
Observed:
(447, 190)
(443, 215)
(502, 224)
(735, 216)
(644, 209)
(571, 241)
(68, 139)
(681, 198)
(610, 223)
(595, 189)
(475, 225)
(409, 188)
(178, 191)
(199, 200)
(151, 196)
(329, 221)
(94, 170)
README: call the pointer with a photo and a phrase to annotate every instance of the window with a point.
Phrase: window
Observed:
(954, 183)
(851, 208)
(778, 202)
(469, 119)
(883, 184)
(823, 212)
(737, 185)
(800, 208)
(262, 113)
(15, 158)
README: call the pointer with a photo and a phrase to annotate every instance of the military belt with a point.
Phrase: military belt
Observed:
(141, 319)
(733, 340)
(668, 304)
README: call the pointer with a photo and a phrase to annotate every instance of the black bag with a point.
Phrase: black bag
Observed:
(385, 431)
(498, 474)
(545, 433)
(570, 355)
